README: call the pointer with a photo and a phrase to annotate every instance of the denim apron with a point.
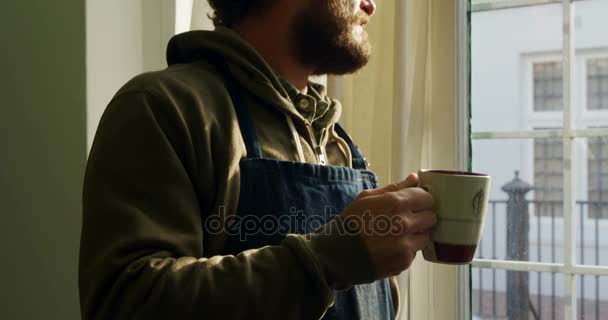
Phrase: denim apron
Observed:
(281, 197)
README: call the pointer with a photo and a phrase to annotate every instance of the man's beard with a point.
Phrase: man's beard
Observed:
(322, 37)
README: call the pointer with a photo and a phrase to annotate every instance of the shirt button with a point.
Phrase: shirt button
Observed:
(304, 104)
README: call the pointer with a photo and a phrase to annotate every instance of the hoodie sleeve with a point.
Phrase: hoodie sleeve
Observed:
(142, 254)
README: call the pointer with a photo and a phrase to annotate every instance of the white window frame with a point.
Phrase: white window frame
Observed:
(462, 128)
(568, 268)
(536, 119)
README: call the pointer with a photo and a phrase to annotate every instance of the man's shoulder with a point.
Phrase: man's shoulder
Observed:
(176, 82)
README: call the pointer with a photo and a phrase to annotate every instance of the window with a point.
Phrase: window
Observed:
(548, 176)
(548, 86)
(597, 170)
(597, 153)
(548, 153)
(539, 108)
(597, 84)
(548, 160)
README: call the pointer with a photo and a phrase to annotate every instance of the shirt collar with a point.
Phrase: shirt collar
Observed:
(313, 105)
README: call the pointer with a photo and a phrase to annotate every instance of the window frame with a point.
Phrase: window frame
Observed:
(462, 63)
(569, 132)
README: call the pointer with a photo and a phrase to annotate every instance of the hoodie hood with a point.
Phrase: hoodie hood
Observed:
(246, 65)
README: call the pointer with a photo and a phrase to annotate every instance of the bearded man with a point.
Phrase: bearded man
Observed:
(223, 187)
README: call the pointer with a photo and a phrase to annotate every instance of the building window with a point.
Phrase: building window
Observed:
(547, 86)
(548, 176)
(597, 177)
(597, 84)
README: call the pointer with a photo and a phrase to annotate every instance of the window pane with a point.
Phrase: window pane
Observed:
(500, 294)
(516, 76)
(524, 220)
(592, 201)
(547, 86)
(590, 83)
(597, 83)
(548, 176)
(593, 297)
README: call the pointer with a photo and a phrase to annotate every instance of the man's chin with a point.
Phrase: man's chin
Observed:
(340, 47)
(344, 66)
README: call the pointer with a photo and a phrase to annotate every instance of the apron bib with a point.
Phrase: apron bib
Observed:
(281, 197)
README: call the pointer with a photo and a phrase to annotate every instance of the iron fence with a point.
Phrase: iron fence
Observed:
(541, 230)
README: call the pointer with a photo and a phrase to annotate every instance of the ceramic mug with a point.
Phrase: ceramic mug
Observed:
(460, 202)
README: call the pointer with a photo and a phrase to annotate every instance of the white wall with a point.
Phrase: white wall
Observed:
(124, 39)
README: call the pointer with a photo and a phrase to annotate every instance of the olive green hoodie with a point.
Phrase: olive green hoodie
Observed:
(166, 156)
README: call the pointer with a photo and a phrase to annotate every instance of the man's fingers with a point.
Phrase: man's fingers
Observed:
(421, 221)
(399, 202)
(417, 241)
(413, 199)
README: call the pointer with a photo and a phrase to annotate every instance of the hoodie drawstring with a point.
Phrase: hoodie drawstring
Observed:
(296, 138)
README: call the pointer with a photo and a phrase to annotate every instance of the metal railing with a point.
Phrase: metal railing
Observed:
(542, 231)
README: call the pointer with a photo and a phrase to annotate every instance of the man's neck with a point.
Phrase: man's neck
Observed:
(270, 37)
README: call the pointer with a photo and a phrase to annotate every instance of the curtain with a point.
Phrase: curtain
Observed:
(430, 139)
(401, 111)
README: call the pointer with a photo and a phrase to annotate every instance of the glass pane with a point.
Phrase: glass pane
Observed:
(590, 84)
(516, 76)
(592, 297)
(524, 220)
(500, 294)
(547, 88)
(592, 201)
(592, 66)
(597, 83)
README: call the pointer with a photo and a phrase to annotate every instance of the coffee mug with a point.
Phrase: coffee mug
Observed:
(460, 202)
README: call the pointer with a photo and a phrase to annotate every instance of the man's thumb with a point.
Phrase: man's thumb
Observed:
(409, 182)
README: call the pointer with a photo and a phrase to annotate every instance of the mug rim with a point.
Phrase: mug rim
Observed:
(454, 173)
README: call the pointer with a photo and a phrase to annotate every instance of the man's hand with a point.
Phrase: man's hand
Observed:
(408, 209)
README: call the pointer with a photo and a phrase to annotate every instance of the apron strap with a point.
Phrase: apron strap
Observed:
(359, 162)
(244, 117)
